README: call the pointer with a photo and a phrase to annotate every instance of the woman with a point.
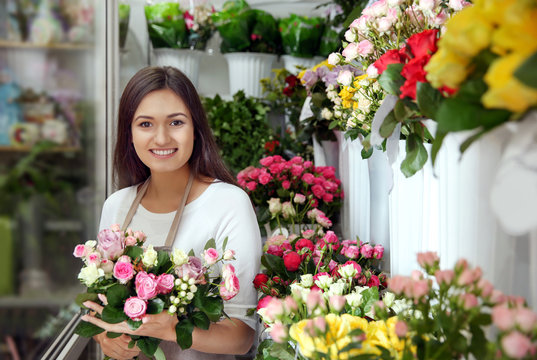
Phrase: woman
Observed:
(163, 137)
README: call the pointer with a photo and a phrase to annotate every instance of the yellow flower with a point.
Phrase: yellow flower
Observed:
(517, 32)
(494, 10)
(447, 68)
(382, 333)
(505, 91)
(468, 32)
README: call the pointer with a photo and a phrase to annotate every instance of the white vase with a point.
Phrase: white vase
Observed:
(247, 69)
(326, 153)
(291, 62)
(354, 176)
(186, 60)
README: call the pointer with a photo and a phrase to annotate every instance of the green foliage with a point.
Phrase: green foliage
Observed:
(183, 332)
(86, 329)
(301, 35)
(240, 128)
(527, 72)
(166, 25)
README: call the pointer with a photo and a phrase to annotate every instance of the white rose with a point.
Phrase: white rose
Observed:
(333, 58)
(90, 274)
(306, 280)
(324, 281)
(388, 299)
(149, 258)
(347, 271)
(350, 35)
(337, 288)
(179, 257)
(326, 114)
(345, 77)
(354, 299)
(338, 113)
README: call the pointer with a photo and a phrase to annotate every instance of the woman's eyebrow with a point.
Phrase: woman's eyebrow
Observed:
(169, 116)
(177, 114)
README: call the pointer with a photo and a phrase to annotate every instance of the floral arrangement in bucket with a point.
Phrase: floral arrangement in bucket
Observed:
(389, 32)
(301, 35)
(316, 187)
(131, 280)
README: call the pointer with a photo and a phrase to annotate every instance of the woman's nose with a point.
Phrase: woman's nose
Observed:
(161, 136)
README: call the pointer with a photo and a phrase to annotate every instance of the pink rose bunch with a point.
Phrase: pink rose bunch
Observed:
(287, 258)
(462, 302)
(297, 181)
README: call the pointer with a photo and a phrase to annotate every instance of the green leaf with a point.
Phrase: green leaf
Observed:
(391, 79)
(274, 264)
(148, 345)
(211, 243)
(416, 156)
(428, 99)
(456, 114)
(155, 306)
(527, 72)
(225, 244)
(133, 325)
(183, 333)
(437, 145)
(200, 320)
(113, 335)
(116, 295)
(282, 351)
(134, 252)
(389, 124)
(86, 329)
(159, 354)
(113, 315)
(83, 297)
(369, 297)
(402, 112)
(211, 306)
(163, 262)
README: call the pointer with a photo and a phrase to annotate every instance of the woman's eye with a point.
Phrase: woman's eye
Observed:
(176, 123)
(145, 124)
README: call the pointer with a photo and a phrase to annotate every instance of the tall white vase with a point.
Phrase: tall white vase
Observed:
(326, 153)
(247, 69)
(186, 60)
(291, 62)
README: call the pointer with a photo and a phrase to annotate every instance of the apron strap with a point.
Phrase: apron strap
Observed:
(175, 224)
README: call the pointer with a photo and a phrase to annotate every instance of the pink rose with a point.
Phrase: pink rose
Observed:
(351, 52)
(264, 178)
(211, 256)
(292, 261)
(444, 276)
(251, 185)
(516, 345)
(165, 283)
(140, 235)
(525, 318)
(146, 285)
(469, 301)
(304, 243)
(299, 199)
(373, 281)
(135, 308)
(110, 243)
(130, 241)
(278, 332)
(228, 270)
(123, 271)
(401, 328)
(297, 170)
(378, 251)
(229, 254)
(286, 184)
(308, 178)
(337, 302)
(307, 164)
(263, 302)
(428, 259)
(314, 299)
(503, 317)
(229, 287)
(107, 266)
(267, 161)
(124, 258)
(367, 251)
(275, 250)
(418, 289)
(397, 284)
(192, 269)
(365, 47)
(115, 227)
(94, 258)
(80, 251)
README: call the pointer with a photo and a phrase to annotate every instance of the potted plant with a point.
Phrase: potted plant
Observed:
(250, 42)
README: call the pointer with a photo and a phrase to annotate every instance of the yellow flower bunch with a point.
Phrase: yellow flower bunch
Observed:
(508, 29)
(336, 337)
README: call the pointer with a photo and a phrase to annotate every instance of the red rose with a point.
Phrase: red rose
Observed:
(413, 71)
(389, 57)
(291, 80)
(288, 91)
(291, 261)
(373, 281)
(260, 279)
(423, 43)
(304, 243)
(263, 302)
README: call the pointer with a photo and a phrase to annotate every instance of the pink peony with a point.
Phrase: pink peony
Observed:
(123, 271)
(135, 308)
(110, 243)
(165, 283)
(211, 256)
(146, 285)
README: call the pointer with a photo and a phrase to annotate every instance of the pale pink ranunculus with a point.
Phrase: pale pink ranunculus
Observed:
(229, 287)
(107, 266)
(350, 52)
(130, 241)
(427, 259)
(278, 332)
(146, 285)
(525, 318)
(165, 283)
(193, 269)
(80, 251)
(135, 308)
(401, 328)
(210, 256)
(444, 276)
(337, 302)
(94, 258)
(469, 301)
(503, 317)
(516, 345)
(229, 254)
(123, 271)
(110, 243)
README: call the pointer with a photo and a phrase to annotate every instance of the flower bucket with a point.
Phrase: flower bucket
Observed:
(291, 62)
(186, 60)
(247, 69)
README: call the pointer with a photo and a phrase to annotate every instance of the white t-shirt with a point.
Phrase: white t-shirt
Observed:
(222, 210)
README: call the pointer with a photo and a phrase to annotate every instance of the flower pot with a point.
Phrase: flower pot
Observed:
(354, 175)
(247, 69)
(291, 62)
(186, 60)
(326, 153)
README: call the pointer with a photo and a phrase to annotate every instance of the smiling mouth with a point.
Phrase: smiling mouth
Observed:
(163, 152)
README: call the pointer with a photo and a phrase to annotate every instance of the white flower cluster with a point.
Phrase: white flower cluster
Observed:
(185, 288)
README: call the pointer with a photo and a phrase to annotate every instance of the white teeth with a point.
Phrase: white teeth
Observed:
(163, 152)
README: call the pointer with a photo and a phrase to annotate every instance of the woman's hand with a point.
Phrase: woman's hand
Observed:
(160, 326)
(117, 348)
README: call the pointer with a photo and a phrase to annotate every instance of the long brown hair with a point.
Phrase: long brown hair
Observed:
(205, 160)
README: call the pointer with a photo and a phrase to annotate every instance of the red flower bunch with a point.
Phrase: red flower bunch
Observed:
(291, 82)
(414, 56)
(316, 262)
(308, 185)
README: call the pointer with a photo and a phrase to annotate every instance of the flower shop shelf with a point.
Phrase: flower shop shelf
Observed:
(12, 149)
(56, 46)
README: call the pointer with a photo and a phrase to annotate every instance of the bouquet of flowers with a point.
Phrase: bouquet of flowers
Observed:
(301, 35)
(450, 311)
(246, 29)
(492, 70)
(308, 185)
(199, 24)
(137, 280)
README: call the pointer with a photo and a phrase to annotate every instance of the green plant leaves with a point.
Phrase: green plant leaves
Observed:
(200, 320)
(527, 72)
(416, 155)
(116, 295)
(391, 79)
(155, 306)
(211, 243)
(457, 114)
(183, 333)
(211, 306)
(148, 345)
(274, 264)
(83, 297)
(86, 329)
(428, 99)
(113, 315)
(388, 125)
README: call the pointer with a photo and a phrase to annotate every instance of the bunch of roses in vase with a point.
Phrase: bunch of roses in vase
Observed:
(137, 280)
(295, 180)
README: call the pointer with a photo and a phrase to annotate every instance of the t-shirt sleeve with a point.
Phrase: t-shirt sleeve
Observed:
(244, 238)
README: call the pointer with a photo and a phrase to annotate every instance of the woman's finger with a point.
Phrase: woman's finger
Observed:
(117, 328)
(93, 306)
(103, 299)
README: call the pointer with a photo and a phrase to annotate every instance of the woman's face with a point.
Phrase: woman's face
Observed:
(163, 131)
